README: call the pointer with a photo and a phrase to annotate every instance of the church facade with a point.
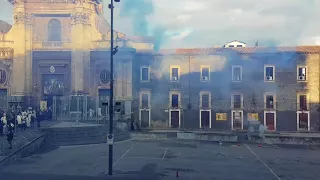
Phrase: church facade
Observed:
(62, 47)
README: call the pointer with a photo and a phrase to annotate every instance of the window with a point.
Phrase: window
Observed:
(54, 30)
(231, 45)
(302, 102)
(145, 99)
(174, 74)
(269, 100)
(205, 73)
(145, 74)
(174, 100)
(236, 101)
(205, 100)
(239, 45)
(269, 73)
(302, 73)
(236, 73)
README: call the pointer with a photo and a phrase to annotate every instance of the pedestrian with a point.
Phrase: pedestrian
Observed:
(19, 120)
(10, 136)
(24, 123)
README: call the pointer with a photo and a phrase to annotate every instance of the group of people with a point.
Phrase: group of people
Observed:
(19, 119)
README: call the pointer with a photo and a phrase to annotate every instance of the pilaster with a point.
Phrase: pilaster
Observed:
(21, 78)
(80, 36)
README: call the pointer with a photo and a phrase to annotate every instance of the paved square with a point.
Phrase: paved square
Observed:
(165, 159)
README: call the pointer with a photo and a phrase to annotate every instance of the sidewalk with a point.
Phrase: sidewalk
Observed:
(21, 138)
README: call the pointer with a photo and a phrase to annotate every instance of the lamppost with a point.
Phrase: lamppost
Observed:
(113, 51)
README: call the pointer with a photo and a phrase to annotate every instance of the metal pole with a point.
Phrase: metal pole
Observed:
(111, 93)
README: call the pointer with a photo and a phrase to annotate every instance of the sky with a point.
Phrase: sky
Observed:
(207, 23)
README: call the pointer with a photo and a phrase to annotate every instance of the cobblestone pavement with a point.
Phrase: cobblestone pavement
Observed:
(21, 138)
(155, 160)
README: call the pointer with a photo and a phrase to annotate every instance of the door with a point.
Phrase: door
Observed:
(104, 95)
(144, 118)
(52, 85)
(303, 121)
(237, 120)
(270, 121)
(175, 116)
(205, 119)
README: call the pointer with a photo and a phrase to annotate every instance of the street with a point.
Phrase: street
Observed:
(168, 159)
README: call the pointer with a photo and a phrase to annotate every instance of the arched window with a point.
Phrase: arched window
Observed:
(54, 30)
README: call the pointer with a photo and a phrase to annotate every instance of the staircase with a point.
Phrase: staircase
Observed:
(84, 134)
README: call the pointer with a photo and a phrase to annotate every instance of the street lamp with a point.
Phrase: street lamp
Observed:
(113, 51)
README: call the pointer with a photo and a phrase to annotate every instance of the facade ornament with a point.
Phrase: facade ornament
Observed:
(6, 71)
(52, 69)
(22, 17)
(80, 18)
(6, 53)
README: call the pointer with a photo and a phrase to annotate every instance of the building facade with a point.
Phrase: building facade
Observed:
(61, 48)
(228, 88)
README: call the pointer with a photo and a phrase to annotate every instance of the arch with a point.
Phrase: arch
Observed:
(54, 30)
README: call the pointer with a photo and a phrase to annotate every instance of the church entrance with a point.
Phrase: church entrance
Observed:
(52, 85)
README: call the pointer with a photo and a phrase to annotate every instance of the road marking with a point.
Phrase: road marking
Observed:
(275, 175)
(107, 172)
(164, 153)
(141, 157)
(124, 154)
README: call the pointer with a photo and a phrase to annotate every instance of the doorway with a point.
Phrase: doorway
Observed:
(104, 95)
(303, 121)
(237, 120)
(205, 118)
(174, 118)
(144, 118)
(52, 85)
(270, 120)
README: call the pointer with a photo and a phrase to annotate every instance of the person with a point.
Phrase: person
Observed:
(4, 119)
(24, 122)
(39, 117)
(19, 120)
(10, 136)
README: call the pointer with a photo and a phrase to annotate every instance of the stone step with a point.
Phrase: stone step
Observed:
(62, 136)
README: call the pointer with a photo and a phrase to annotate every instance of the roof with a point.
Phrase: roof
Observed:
(243, 50)
(4, 26)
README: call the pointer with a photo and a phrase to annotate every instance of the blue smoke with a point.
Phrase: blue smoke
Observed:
(139, 10)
